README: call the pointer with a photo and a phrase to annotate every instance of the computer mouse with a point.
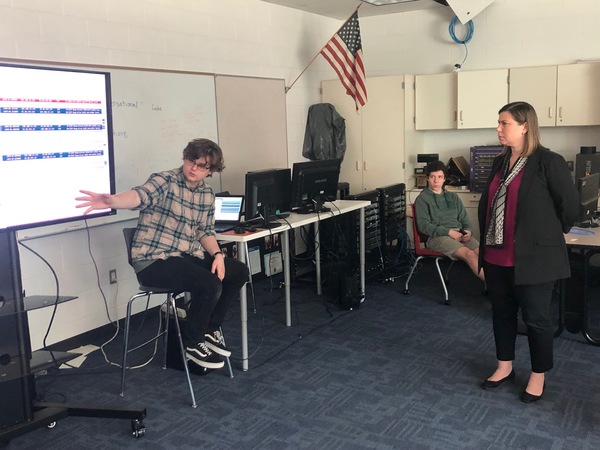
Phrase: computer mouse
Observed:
(239, 230)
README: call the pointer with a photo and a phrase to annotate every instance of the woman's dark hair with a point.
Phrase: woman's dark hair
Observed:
(198, 148)
(434, 166)
(523, 112)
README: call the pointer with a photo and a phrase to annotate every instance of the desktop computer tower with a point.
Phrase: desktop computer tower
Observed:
(16, 384)
(373, 242)
(586, 163)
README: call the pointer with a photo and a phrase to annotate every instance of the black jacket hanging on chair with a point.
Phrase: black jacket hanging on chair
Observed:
(325, 135)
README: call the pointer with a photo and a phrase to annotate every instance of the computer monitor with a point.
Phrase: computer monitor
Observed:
(55, 126)
(588, 187)
(313, 183)
(268, 196)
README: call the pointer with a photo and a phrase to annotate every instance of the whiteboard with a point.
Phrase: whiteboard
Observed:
(154, 115)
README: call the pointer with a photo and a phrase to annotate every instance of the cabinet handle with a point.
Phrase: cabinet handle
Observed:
(560, 112)
(550, 112)
(365, 166)
(357, 166)
(461, 119)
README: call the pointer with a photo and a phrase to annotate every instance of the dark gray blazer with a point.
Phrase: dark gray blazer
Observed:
(547, 207)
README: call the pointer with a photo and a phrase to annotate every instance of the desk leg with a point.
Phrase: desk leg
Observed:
(362, 254)
(318, 257)
(584, 326)
(285, 241)
(243, 255)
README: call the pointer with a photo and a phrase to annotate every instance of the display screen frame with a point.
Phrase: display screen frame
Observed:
(56, 138)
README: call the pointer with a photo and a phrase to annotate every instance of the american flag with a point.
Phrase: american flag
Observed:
(344, 53)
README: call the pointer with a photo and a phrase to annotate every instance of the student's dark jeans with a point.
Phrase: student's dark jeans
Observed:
(534, 301)
(210, 297)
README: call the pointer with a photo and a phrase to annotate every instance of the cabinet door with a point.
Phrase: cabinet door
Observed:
(383, 132)
(351, 171)
(536, 86)
(578, 94)
(480, 95)
(470, 201)
(374, 136)
(435, 101)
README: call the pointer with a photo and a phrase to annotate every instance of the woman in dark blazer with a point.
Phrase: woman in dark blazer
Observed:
(529, 201)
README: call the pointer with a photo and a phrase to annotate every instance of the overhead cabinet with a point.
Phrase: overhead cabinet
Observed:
(536, 86)
(374, 136)
(435, 101)
(460, 100)
(481, 93)
(566, 95)
(578, 94)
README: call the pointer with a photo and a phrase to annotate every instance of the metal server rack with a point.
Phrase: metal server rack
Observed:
(373, 241)
(392, 210)
(482, 158)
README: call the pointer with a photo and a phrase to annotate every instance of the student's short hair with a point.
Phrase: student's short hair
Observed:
(197, 148)
(434, 166)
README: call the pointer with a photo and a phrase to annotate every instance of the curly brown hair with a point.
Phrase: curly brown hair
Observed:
(200, 147)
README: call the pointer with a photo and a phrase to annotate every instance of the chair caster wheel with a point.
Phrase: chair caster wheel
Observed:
(138, 429)
(406, 292)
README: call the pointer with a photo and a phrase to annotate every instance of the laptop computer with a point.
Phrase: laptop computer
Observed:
(228, 212)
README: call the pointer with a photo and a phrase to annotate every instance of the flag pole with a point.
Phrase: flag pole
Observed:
(316, 56)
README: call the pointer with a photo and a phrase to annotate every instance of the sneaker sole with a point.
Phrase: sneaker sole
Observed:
(218, 350)
(201, 363)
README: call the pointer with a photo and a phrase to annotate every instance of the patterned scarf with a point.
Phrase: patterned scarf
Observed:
(494, 237)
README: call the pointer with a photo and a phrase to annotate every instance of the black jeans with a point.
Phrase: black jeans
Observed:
(210, 297)
(534, 301)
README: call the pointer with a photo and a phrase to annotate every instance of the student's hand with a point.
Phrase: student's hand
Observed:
(455, 234)
(93, 201)
(218, 266)
(466, 237)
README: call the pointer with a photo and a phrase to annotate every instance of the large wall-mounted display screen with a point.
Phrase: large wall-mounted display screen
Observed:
(55, 139)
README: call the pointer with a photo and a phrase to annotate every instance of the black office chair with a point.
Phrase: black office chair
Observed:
(171, 308)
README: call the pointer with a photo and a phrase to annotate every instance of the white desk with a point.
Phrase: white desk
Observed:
(295, 221)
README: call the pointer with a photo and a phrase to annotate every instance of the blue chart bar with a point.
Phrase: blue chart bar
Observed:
(52, 155)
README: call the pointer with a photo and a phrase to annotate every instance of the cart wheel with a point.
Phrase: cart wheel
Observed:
(138, 428)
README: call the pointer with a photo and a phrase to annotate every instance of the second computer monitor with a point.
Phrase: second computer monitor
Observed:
(313, 183)
(587, 187)
(267, 195)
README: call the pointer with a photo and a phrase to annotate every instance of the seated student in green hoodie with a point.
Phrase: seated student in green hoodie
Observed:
(442, 217)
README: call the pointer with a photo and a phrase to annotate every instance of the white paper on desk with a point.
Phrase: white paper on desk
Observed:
(254, 260)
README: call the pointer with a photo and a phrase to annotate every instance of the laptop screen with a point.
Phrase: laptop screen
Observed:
(228, 209)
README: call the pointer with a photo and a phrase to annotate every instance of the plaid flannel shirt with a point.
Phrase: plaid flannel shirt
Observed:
(173, 218)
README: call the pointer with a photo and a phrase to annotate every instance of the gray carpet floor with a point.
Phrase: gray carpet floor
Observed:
(400, 372)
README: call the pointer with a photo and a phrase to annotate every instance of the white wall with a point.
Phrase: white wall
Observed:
(254, 38)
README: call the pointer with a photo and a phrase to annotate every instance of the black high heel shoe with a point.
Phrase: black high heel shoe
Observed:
(526, 397)
(487, 384)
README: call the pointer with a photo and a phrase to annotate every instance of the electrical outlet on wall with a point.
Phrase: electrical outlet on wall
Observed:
(112, 276)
